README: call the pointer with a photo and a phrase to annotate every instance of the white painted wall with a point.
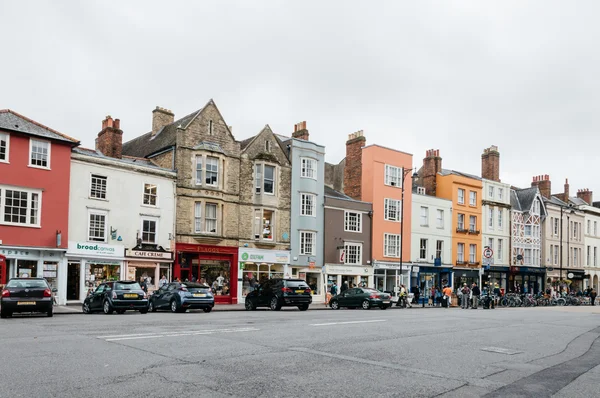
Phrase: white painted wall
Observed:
(491, 193)
(591, 240)
(432, 232)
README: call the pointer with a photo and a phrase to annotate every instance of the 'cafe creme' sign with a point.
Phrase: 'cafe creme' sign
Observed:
(148, 254)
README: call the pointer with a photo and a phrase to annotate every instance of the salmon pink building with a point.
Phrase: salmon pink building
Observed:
(34, 198)
(376, 174)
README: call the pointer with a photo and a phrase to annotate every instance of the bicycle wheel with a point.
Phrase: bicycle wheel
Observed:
(561, 302)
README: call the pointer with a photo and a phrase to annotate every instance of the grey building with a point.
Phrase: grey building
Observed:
(347, 240)
(307, 212)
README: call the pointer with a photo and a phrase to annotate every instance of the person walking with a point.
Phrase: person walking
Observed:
(417, 294)
(447, 296)
(432, 299)
(143, 284)
(593, 295)
(475, 292)
(333, 289)
(344, 287)
(466, 293)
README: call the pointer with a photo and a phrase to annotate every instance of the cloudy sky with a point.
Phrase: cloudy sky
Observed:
(457, 76)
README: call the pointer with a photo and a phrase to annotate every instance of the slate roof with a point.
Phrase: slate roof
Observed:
(555, 201)
(11, 120)
(578, 201)
(446, 172)
(129, 160)
(522, 199)
(336, 194)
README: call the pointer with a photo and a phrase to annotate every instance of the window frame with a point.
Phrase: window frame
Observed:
(424, 216)
(423, 249)
(313, 206)
(49, 155)
(198, 218)
(491, 192)
(150, 195)
(472, 253)
(264, 179)
(347, 255)
(460, 254)
(7, 148)
(472, 223)
(460, 225)
(96, 212)
(386, 239)
(555, 227)
(100, 177)
(500, 248)
(29, 200)
(440, 218)
(500, 218)
(347, 215)
(155, 220)
(304, 163)
(258, 230)
(473, 198)
(217, 172)
(500, 193)
(458, 196)
(491, 217)
(388, 177)
(439, 249)
(302, 248)
(199, 181)
(206, 205)
(386, 209)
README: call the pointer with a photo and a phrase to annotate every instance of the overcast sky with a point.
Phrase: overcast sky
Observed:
(449, 75)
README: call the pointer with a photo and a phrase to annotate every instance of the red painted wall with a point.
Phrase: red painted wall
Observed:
(55, 194)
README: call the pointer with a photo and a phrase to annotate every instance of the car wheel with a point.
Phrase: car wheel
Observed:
(335, 305)
(3, 314)
(303, 307)
(275, 304)
(250, 306)
(86, 308)
(384, 307)
(151, 307)
(207, 309)
(174, 307)
(50, 313)
(120, 312)
(107, 308)
(144, 311)
(366, 305)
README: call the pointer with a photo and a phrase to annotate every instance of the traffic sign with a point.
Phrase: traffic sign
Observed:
(488, 252)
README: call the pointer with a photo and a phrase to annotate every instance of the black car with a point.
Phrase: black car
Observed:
(118, 296)
(277, 293)
(26, 295)
(361, 297)
(180, 297)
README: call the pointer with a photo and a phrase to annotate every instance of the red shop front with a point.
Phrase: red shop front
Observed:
(215, 266)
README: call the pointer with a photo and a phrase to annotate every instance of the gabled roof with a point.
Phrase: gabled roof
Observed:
(245, 144)
(522, 199)
(11, 120)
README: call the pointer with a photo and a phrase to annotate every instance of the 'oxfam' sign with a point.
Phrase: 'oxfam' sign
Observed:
(244, 256)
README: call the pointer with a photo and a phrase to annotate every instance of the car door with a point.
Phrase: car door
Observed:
(158, 296)
(96, 298)
(353, 298)
(344, 298)
(264, 292)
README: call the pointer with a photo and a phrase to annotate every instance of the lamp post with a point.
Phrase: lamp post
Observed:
(405, 172)
(562, 210)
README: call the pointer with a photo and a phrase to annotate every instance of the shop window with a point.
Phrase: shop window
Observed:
(392, 209)
(216, 275)
(98, 187)
(97, 226)
(210, 218)
(39, 153)
(27, 269)
(150, 194)
(4, 147)
(307, 204)
(307, 243)
(149, 230)
(312, 279)
(391, 245)
(19, 207)
(352, 221)
(309, 168)
(423, 249)
(50, 272)
(100, 273)
(212, 171)
(353, 253)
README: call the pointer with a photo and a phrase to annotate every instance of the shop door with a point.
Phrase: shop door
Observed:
(73, 281)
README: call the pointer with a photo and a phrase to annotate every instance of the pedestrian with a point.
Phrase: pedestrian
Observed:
(402, 300)
(417, 294)
(438, 296)
(593, 295)
(143, 284)
(163, 281)
(432, 297)
(466, 293)
(497, 293)
(475, 292)
(344, 287)
(447, 296)
(333, 289)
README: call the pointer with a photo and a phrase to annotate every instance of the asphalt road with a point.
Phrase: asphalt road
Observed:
(520, 352)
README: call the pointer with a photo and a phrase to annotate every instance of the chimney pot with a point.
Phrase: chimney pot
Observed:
(110, 139)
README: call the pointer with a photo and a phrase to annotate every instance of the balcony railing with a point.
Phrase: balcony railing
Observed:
(474, 232)
(461, 230)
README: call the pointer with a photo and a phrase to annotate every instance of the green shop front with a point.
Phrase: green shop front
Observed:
(259, 265)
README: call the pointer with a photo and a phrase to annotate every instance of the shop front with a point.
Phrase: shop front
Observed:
(90, 264)
(313, 275)
(31, 262)
(466, 275)
(388, 276)
(257, 266)
(527, 280)
(215, 266)
(353, 275)
(496, 275)
(428, 277)
(149, 264)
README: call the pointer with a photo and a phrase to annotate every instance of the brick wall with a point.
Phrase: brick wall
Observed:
(353, 166)
(110, 139)
(490, 164)
(432, 165)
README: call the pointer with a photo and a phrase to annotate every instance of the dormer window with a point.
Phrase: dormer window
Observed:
(421, 190)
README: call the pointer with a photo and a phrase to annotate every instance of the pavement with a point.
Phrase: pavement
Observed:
(516, 352)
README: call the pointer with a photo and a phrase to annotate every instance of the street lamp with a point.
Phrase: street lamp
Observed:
(405, 172)
(571, 211)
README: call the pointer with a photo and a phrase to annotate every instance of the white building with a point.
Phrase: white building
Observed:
(121, 219)
(591, 242)
(496, 229)
(431, 240)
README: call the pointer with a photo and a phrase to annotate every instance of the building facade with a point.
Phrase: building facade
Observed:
(121, 217)
(265, 196)
(591, 239)
(34, 200)
(347, 241)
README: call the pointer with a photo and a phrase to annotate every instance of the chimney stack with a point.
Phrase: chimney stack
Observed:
(586, 195)
(432, 165)
(543, 184)
(566, 192)
(300, 131)
(353, 168)
(160, 118)
(490, 164)
(110, 139)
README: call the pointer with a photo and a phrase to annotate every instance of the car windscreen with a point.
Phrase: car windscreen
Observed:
(127, 286)
(296, 285)
(27, 284)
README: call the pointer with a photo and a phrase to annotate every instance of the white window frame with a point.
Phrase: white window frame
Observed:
(199, 181)
(440, 218)
(460, 199)
(98, 213)
(589, 227)
(273, 181)
(6, 137)
(347, 218)
(206, 171)
(258, 224)
(500, 217)
(30, 193)
(387, 238)
(472, 223)
(589, 256)
(595, 256)
(459, 224)
(491, 192)
(500, 194)
(500, 248)
(303, 243)
(198, 218)
(472, 253)
(460, 252)
(424, 217)
(439, 249)
(387, 203)
(595, 228)
(31, 141)
(310, 207)
(555, 227)
(556, 254)
(527, 228)
(308, 168)
(393, 176)
(206, 231)
(491, 217)
(358, 248)
(155, 220)
(259, 178)
(527, 256)
(421, 190)
(423, 243)
(100, 177)
(150, 195)
(472, 198)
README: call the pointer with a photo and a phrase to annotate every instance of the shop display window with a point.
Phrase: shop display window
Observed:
(256, 274)
(216, 275)
(27, 269)
(104, 272)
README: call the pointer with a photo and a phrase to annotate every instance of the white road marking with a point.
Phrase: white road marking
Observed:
(347, 323)
(139, 336)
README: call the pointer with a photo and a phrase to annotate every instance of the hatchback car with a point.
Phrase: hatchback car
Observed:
(361, 297)
(277, 293)
(26, 295)
(180, 297)
(117, 296)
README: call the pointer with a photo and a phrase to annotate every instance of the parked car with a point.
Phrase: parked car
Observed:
(118, 296)
(277, 293)
(179, 297)
(26, 295)
(361, 297)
